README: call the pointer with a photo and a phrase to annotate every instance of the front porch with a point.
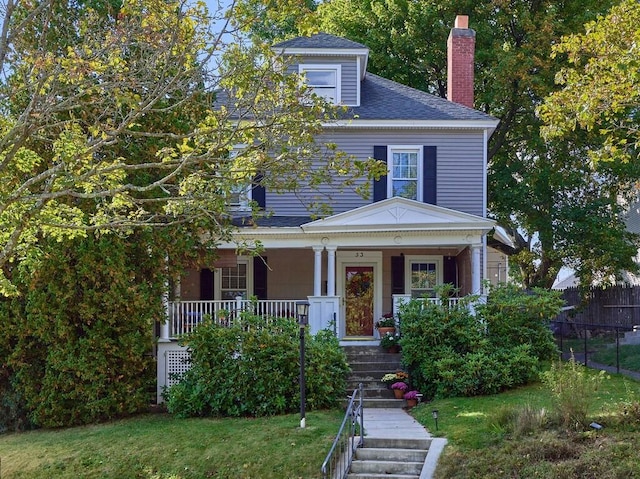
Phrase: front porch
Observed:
(185, 316)
(353, 268)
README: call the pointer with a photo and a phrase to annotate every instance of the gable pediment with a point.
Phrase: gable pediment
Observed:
(399, 214)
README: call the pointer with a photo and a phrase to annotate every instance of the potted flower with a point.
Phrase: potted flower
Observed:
(390, 378)
(412, 398)
(390, 342)
(386, 324)
(399, 388)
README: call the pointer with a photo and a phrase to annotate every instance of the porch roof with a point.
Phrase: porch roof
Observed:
(389, 222)
(399, 214)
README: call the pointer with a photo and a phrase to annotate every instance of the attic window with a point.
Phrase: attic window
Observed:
(323, 80)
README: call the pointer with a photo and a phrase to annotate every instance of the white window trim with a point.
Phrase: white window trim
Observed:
(302, 67)
(409, 259)
(413, 148)
(218, 280)
(245, 196)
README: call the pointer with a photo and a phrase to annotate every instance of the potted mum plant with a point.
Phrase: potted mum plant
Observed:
(399, 388)
(391, 378)
(412, 398)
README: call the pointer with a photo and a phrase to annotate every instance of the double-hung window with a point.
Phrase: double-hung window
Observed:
(323, 80)
(236, 280)
(423, 274)
(405, 175)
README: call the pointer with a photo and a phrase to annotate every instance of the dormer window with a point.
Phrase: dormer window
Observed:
(323, 80)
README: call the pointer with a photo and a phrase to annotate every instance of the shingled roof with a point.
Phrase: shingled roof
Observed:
(320, 40)
(383, 99)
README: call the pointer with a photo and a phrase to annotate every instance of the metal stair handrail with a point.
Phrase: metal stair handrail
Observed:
(338, 460)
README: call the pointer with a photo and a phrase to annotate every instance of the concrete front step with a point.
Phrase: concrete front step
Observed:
(384, 454)
(397, 443)
(383, 403)
(398, 458)
(368, 364)
(377, 366)
(386, 467)
(375, 393)
(366, 475)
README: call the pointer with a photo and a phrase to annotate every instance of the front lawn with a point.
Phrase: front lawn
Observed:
(481, 447)
(159, 446)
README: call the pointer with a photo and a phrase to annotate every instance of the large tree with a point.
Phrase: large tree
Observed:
(112, 117)
(124, 131)
(600, 85)
(557, 212)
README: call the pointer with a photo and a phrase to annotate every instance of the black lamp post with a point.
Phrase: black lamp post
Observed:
(434, 413)
(302, 312)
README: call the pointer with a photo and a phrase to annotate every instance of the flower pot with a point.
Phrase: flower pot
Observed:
(393, 349)
(399, 393)
(412, 403)
(383, 331)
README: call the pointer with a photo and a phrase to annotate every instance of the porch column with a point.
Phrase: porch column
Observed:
(475, 269)
(164, 327)
(331, 270)
(317, 270)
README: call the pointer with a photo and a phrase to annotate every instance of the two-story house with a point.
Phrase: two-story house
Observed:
(425, 223)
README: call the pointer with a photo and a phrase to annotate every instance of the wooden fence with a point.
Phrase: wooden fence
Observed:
(614, 306)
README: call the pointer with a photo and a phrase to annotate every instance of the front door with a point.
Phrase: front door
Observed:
(359, 300)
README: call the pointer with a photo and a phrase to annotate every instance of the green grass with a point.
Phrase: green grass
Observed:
(479, 447)
(629, 356)
(159, 446)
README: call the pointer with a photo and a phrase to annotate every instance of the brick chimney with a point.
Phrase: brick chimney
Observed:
(460, 53)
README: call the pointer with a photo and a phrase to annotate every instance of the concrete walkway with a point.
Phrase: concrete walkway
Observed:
(395, 423)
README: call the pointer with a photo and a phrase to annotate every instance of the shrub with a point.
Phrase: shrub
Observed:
(78, 340)
(241, 371)
(449, 351)
(514, 316)
(573, 388)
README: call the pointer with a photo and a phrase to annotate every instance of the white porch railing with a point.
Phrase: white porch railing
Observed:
(184, 316)
(400, 299)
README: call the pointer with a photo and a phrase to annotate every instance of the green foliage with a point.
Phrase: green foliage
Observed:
(78, 341)
(573, 388)
(520, 420)
(451, 352)
(517, 317)
(600, 91)
(251, 370)
(555, 207)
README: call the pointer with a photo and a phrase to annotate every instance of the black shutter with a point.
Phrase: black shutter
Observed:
(397, 275)
(260, 277)
(380, 186)
(258, 193)
(206, 284)
(449, 271)
(430, 175)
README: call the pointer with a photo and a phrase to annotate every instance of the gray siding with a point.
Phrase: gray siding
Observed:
(459, 169)
(349, 81)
